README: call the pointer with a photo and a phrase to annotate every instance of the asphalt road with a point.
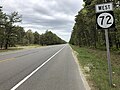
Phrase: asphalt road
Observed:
(46, 68)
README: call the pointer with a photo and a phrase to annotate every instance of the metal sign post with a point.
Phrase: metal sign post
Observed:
(105, 20)
(108, 57)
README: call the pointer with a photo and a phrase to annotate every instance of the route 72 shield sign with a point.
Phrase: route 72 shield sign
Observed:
(105, 16)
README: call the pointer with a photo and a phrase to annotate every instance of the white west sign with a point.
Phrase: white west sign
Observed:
(104, 7)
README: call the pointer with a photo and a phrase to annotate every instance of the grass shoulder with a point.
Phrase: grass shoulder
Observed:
(95, 67)
(19, 47)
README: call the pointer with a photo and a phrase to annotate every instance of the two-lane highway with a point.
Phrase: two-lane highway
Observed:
(46, 68)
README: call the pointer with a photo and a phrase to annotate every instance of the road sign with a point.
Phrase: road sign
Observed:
(105, 16)
(104, 7)
(105, 20)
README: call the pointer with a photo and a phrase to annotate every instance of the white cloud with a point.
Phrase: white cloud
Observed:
(40, 15)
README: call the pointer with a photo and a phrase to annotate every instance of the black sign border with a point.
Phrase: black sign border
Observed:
(110, 12)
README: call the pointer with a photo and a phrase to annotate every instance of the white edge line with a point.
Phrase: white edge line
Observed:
(33, 72)
(86, 85)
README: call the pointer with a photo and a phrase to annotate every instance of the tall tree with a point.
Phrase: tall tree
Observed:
(30, 37)
(8, 22)
(85, 32)
(19, 33)
(50, 38)
(1, 28)
(36, 38)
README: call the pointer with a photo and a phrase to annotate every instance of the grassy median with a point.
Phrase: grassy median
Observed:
(95, 67)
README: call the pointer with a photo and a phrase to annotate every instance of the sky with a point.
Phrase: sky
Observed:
(41, 15)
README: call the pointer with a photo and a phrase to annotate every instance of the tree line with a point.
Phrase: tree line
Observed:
(85, 32)
(12, 35)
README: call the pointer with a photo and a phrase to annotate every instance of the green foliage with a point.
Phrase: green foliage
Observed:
(36, 38)
(8, 36)
(12, 35)
(30, 37)
(20, 34)
(50, 39)
(98, 76)
(85, 32)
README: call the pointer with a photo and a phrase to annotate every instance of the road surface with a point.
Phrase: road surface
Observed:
(46, 68)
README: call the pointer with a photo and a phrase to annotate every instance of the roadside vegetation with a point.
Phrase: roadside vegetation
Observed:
(20, 47)
(85, 33)
(95, 67)
(90, 45)
(12, 34)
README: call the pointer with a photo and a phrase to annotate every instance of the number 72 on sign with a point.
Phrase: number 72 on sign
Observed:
(105, 20)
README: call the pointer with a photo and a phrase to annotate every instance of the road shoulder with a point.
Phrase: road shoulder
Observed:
(86, 85)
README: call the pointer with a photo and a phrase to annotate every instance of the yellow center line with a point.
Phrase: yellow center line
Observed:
(8, 59)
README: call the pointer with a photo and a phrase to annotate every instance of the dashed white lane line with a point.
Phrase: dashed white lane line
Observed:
(33, 72)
